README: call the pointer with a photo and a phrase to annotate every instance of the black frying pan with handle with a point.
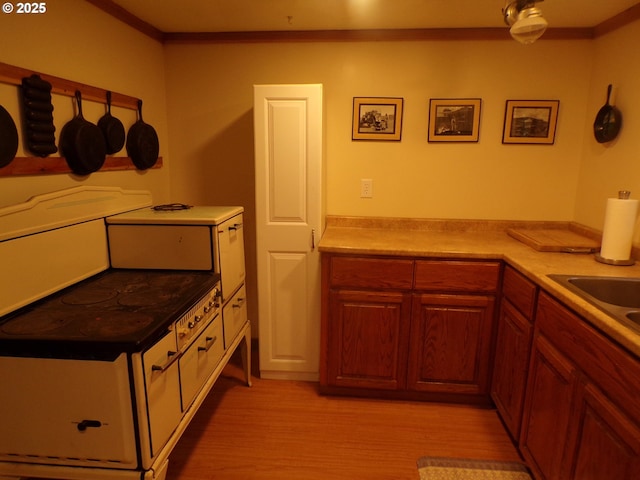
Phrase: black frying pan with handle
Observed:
(82, 143)
(608, 121)
(112, 130)
(142, 143)
(8, 138)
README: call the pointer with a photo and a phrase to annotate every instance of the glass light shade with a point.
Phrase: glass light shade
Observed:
(530, 26)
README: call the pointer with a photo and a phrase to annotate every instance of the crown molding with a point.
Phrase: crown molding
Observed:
(372, 35)
(631, 14)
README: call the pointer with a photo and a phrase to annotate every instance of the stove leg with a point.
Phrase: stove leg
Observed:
(245, 350)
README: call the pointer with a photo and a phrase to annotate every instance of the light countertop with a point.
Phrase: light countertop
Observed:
(461, 239)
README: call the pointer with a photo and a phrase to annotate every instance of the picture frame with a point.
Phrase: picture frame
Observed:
(377, 118)
(530, 121)
(454, 119)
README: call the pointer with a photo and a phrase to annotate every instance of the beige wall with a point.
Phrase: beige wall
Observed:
(607, 168)
(79, 42)
(210, 121)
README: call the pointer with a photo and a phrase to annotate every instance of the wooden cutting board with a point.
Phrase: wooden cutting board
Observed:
(555, 240)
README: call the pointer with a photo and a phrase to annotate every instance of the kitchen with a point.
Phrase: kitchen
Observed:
(199, 98)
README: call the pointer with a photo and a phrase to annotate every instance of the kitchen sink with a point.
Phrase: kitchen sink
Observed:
(619, 297)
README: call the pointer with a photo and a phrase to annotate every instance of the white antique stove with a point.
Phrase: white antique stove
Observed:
(116, 319)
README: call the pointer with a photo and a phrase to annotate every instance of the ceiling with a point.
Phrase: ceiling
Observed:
(170, 16)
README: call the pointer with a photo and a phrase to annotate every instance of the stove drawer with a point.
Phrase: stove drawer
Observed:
(43, 419)
(162, 381)
(200, 360)
(234, 315)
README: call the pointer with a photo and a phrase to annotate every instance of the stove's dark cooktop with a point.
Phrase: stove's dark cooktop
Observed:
(114, 311)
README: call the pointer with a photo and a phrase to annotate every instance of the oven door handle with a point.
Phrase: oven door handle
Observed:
(173, 358)
(209, 342)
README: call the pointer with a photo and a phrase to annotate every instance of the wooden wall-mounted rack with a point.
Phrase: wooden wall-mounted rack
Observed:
(13, 75)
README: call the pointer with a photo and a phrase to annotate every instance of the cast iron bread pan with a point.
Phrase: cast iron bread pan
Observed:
(39, 129)
(36, 83)
(608, 122)
(142, 143)
(8, 138)
(82, 143)
(112, 130)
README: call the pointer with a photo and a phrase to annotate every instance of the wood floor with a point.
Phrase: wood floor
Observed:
(285, 430)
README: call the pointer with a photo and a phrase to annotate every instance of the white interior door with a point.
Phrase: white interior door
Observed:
(289, 217)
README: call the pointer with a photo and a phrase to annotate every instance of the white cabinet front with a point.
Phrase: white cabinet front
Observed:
(234, 315)
(163, 390)
(44, 420)
(200, 360)
(231, 245)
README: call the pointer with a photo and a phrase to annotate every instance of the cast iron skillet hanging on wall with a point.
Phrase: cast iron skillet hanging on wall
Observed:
(112, 130)
(608, 122)
(82, 143)
(8, 138)
(142, 143)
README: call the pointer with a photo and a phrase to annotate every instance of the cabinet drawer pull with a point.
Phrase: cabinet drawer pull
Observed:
(235, 226)
(173, 358)
(209, 342)
(239, 304)
(84, 424)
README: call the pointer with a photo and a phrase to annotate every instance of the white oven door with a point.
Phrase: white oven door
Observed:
(231, 245)
(162, 383)
(200, 360)
(234, 315)
(66, 412)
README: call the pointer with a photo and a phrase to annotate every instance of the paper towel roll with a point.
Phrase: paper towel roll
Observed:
(619, 222)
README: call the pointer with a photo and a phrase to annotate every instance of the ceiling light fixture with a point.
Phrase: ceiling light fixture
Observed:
(525, 19)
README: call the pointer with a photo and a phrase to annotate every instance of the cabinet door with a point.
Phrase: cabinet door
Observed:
(288, 140)
(367, 336)
(513, 344)
(550, 387)
(231, 261)
(606, 443)
(450, 343)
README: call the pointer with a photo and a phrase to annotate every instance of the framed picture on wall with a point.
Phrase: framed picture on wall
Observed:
(454, 119)
(377, 118)
(530, 121)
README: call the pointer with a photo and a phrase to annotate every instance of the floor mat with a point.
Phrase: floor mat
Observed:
(440, 468)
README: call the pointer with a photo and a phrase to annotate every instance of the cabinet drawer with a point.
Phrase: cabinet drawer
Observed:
(234, 316)
(520, 291)
(200, 360)
(457, 276)
(366, 272)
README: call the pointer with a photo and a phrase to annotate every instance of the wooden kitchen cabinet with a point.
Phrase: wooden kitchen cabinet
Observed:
(582, 412)
(369, 334)
(551, 386)
(366, 322)
(605, 442)
(405, 327)
(451, 326)
(457, 276)
(450, 343)
(512, 348)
